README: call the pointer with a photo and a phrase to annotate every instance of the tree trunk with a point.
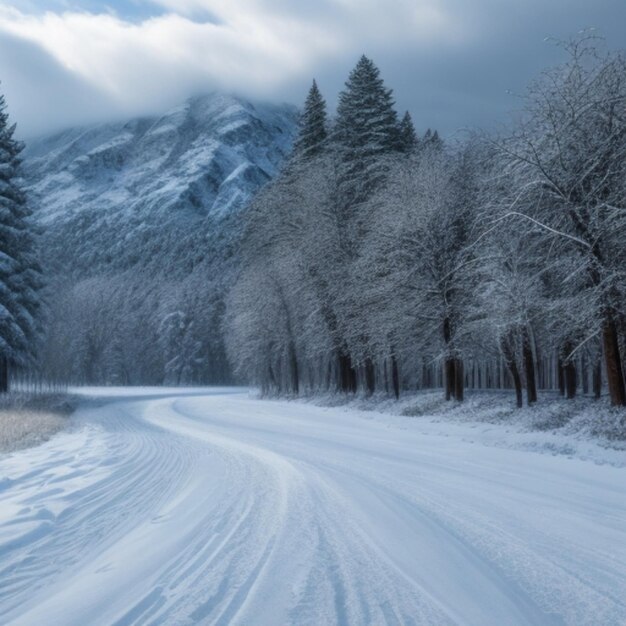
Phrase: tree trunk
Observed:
(386, 375)
(613, 363)
(597, 378)
(329, 372)
(4, 375)
(293, 369)
(347, 374)
(570, 380)
(449, 367)
(344, 365)
(569, 373)
(584, 371)
(273, 382)
(509, 360)
(458, 379)
(529, 367)
(395, 376)
(352, 377)
(559, 369)
(370, 376)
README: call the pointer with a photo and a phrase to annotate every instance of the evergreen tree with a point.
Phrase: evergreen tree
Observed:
(432, 140)
(366, 133)
(366, 129)
(436, 141)
(407, 135)
(313, 130)
(20, 274)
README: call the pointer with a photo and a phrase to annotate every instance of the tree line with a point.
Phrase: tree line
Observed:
(21, 276)
(82, 305)
(381, 260)
(378, 261)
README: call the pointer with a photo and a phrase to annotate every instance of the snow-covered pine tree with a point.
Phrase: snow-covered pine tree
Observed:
(313, 130)
(432, 139)
(20, 273)
(436, 141)
(366, 133)
(366, 129)
(407, 135)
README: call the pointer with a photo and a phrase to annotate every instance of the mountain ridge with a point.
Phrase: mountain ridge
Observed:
(160, 193)
(207, 156)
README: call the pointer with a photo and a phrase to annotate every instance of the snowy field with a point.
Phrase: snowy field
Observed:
(211, 507)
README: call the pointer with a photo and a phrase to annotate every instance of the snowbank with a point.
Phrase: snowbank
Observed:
(581, 428)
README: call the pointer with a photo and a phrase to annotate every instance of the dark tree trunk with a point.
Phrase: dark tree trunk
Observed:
(370, 376)
(455, 382)
(529, 367)
(293, 369)
(329, 373)
(570, 380)
(597, 379)
(449, 367)
(347, 374)
(344, 378)
(449, 362)
(509, 360)
(273, 382)
(613, 363)
(584, 372)
(395, 376)
(386, 375)
(4, 375)
(559, 370)
(458, 379)
(569, 373)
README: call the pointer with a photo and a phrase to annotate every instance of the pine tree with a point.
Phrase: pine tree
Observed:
(432, 140)
(436, 141)
(366, 132)
(20, 274)
(366, 129)
(407, 135)
(313, 130)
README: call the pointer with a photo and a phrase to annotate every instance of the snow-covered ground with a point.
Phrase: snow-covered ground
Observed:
(208, 506)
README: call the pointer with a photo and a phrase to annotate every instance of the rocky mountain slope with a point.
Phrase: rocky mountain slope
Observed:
(149, 190)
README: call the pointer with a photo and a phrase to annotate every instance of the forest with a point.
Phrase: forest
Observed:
(381, 261)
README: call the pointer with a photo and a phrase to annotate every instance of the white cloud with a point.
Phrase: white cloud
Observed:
(449, 61)
(251, 46)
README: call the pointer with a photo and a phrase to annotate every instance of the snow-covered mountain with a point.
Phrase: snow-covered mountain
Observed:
(207, 157)
(108, 190)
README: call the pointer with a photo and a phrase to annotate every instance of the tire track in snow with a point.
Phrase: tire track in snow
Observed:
(224, 510)
(94, 505)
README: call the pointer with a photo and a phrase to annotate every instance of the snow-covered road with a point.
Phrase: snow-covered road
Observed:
(214, 508)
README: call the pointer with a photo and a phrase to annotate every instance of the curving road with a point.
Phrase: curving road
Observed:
(209, 507)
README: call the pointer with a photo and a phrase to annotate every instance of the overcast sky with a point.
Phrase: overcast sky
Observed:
(451, 63)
